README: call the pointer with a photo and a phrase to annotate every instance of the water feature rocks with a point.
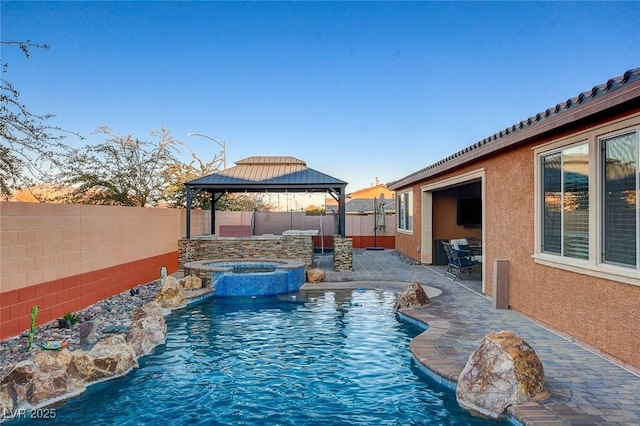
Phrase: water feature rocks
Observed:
(17, 383)
(109, 358)
(504, 370)
(171, 295)
(191, 282)
(411, 297)
(42, 377)
(7, 399)
(52, 375)
(46, 376)
(148, 329)
(55, 376)
(315, 275)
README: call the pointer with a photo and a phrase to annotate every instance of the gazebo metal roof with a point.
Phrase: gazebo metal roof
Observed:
(267, 174)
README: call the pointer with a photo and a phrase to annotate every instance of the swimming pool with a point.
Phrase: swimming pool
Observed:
(314, 358)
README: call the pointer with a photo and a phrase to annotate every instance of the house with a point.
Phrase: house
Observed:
(553, 201)
(361, 225)
(374, 191)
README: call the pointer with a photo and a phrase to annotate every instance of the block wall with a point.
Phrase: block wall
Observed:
(66, 257)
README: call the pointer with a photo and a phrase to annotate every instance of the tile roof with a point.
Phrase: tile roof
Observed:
(365, 205)
(616, 91)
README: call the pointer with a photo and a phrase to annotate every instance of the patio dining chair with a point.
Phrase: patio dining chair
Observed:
(458, 262)
(465, 249)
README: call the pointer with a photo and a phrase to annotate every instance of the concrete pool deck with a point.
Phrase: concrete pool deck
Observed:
(584, 387)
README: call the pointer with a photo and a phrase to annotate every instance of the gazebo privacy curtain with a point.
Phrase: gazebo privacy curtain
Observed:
(264, 174)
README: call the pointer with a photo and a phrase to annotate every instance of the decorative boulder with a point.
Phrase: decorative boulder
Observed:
(88, 336)
(48, 375)
(171, 295)
(411, 297)
(111, 357)
(151, 308)
(191, 282)
(148, 329)
(8, 399)
(315, 275)
(504, 370)
(17, 384)
(56, 376)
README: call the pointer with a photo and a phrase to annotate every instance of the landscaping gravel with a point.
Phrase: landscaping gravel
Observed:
(112, 315)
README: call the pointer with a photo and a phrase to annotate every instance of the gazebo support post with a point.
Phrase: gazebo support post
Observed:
(213, 213)
(341, 214)
(214, 200)
(188, 213)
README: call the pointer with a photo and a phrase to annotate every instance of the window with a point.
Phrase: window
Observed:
(405, 211)
(588, 211)
(619, 201)
(565, 203)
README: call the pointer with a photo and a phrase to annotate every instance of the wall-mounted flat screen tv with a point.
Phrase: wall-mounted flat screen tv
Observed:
(469, 212)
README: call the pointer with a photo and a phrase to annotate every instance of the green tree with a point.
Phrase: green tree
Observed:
(123, 171)
(242, 202)
(314, 210)
(28, 146)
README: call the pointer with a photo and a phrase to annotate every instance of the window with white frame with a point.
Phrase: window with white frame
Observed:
(405, 211)
(565, 203)
(619, 199)
(588, 207)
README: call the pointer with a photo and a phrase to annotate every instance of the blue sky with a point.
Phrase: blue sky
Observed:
(358, 90)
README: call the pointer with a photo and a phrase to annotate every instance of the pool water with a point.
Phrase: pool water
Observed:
(321, 358)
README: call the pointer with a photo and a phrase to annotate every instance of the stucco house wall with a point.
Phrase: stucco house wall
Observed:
(598, 309)
(409, 242)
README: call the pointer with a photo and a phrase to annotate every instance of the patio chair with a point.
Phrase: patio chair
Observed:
(465, 249)
(458, 262)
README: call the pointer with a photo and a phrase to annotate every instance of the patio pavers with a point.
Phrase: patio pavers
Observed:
(585, 388)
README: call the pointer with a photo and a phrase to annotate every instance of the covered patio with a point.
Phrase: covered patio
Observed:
(266, 174)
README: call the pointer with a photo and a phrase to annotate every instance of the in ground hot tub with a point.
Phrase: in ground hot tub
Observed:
(251, 277)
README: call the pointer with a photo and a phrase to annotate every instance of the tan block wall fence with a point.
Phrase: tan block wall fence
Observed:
(66, 257)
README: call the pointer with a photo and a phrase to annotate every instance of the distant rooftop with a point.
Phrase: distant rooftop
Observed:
(364, 206)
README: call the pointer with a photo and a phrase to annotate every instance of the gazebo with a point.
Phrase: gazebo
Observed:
(263, 174)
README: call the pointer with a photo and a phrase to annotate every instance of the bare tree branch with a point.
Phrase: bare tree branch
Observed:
(28, 147)
(123, 171)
